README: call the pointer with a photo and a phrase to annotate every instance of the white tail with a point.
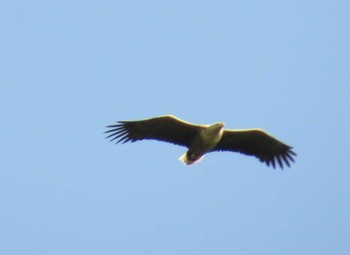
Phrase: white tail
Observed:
(187, 161)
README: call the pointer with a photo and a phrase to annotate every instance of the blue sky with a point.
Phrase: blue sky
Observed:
(69, 68)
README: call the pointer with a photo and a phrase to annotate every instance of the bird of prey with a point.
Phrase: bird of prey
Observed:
(201, 139)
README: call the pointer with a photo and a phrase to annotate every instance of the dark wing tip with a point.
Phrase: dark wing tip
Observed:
(118, 132)
(282, 158)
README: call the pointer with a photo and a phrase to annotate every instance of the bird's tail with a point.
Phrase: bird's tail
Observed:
(184, 159)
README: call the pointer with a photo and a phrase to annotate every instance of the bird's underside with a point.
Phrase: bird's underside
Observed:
(201, 139)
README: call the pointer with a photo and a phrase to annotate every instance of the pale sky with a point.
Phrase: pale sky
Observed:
(69, 68)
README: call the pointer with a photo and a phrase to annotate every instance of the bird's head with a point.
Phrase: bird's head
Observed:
(217, 127)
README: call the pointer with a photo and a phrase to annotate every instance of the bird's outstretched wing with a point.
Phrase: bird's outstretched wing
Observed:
(164, 128)
(256, 142)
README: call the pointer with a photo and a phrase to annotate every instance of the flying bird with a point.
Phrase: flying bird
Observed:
(201, 139)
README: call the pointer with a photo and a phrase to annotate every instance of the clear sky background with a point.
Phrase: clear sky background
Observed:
(69, 68)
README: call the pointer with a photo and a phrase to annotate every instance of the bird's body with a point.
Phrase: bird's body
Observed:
(205, 141)
(200, 139)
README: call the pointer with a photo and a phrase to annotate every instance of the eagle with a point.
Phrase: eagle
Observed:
(201, 139)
